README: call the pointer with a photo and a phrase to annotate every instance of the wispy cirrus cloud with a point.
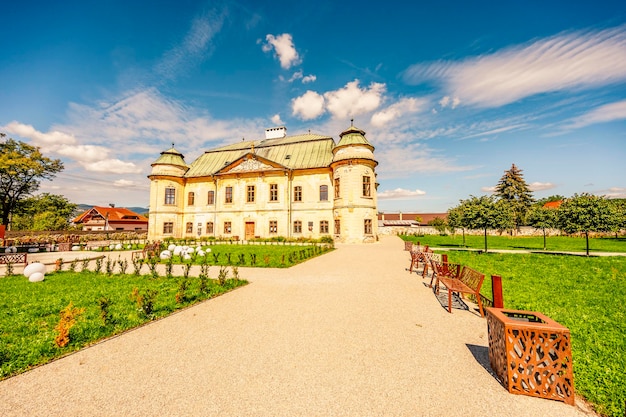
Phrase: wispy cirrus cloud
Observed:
(602, 114)
(400, 194)
(398, 109)
(573, 61)
(193, 49)
(541, 186)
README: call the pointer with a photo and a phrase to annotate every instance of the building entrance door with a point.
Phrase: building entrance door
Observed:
(249, 230)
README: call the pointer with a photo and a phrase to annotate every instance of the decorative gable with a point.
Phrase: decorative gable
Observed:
(251, 163)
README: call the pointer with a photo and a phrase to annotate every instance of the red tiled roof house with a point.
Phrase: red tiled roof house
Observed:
(112, 218)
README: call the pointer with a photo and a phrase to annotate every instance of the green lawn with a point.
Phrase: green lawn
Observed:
(535, 243)
(587, 295)
(30, 311)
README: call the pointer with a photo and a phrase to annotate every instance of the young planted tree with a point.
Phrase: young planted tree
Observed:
(586, 213)
(455, 221)
(22, 167)
(43, 212)
(484, 213)
(439, 225)
(512, 188)
(542, 218)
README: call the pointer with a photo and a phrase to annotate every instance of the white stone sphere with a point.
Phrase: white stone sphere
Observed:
(186, 257)
(200, 252)
(75, 247)
(166, 254)
(36, 277)
(129, 246)
(190, 250)
(208, 250)
(118, 246)
(34, 267)
(33, 250)
(185, 248)
(171, 247)
(178, 250)
(111, 246)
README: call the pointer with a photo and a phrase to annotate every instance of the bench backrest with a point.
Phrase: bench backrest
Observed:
(471, 278)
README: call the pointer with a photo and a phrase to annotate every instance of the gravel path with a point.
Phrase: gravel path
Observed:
(350, 333)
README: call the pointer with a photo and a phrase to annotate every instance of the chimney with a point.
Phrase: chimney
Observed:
(275, 132)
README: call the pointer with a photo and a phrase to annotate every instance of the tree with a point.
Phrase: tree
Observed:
(542, 218)
(43, 212)
(455, 221)
(485, 213)
(513, 189)
(586, 213)
(439, 225)
(22, 167)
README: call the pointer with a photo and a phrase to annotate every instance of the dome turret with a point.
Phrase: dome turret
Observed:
(171, 162)
(353, 145)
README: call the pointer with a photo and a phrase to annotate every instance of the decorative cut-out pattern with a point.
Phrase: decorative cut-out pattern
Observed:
(251, 165)
(531, 354)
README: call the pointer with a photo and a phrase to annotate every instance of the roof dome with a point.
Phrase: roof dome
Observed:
(353, 145)
(171, 162)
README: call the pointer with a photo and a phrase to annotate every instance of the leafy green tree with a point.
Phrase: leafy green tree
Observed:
(513, 189)
(439, 225)
(542, 218)
(586, 213)
(485, 213)
(44, 212)
(22, 167)
(455, 221)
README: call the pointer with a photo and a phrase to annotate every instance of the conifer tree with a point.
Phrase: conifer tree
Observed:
(512, 188)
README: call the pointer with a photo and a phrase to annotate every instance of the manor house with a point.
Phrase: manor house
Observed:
(302, 186)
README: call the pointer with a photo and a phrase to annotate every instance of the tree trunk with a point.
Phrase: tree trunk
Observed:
(587, 241)
(485, 240)
(544, 239)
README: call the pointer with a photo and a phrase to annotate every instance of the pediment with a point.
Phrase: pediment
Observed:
(251, 163)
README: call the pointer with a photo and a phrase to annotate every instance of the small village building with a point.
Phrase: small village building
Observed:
(301, 186)
(111, 218)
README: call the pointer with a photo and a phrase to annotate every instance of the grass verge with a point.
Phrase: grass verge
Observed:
(31, 311)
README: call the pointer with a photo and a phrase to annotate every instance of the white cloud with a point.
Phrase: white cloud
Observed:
(308, 106)
(276, 120)
(352, 100)
(603, 114)
(84, 153)
(397, 110)
(284, 48)
(46, 141)
(124, 183)
(400, 194)
(491, 189)
(296, 76)
(112, 166)
(616, 192)
(308, 79)
(541, 186)
(568, 61)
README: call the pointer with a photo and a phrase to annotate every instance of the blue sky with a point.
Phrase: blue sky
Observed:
(450, 94)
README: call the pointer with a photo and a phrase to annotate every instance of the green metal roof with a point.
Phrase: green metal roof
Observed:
(171, 157)
(294, 152)
(353, 136)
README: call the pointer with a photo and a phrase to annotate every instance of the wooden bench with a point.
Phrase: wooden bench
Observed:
(442, 268)
(468, 281)
(148, 251)
(417, 256)
(13, 258)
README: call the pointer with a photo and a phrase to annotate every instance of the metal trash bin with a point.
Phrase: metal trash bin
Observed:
(531, 354)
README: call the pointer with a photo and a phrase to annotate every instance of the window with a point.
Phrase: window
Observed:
(191, 199)
(209, 228)
(323, 192)
(210, 200)
(273, 192)
(189, 227)
(297, 193)
(170, 195)
(250, 194)
(297, 226)
(168, 227)
(337, 194)
(273, 226)
(366, 186)
(227, 227)
(337, 227)
(228, 195)
(324, 226)
(368, 226)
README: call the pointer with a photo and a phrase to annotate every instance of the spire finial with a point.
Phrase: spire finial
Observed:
(172, 144)
(352, 122)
